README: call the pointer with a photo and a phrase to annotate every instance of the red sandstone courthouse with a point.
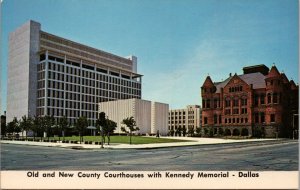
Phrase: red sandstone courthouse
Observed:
(258, 103)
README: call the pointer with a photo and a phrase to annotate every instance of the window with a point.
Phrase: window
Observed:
(203, 104)
(227, 103)
(208, 103)
(220, 119)
(42, 57)
(255, 99)
(227, 112)
(205, 120)
(236, 102)
(269, 98)
(275, 98)
(262, 99)
(246, 120)
(262, 117)
(215, 103)
(256, 118)
(236, 111)
(244, 110)
(272, 117)
(215, 119)
(244, 102)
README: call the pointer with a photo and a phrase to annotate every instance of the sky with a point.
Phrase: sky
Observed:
(177, 42)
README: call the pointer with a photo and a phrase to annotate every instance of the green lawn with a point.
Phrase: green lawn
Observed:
(123, 139)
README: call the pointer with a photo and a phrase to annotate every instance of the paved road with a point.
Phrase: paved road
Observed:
(262, 156)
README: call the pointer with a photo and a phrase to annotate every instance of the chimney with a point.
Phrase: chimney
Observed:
(230, 74)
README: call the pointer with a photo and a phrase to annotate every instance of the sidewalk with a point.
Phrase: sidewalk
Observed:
(193, 141)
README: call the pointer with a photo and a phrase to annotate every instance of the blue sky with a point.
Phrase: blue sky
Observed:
(177, 42)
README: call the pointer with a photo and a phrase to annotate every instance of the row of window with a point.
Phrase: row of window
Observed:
(101, 95)
(235, 120)
(89, 82)
(258, 118)
(236, 89)
(236, 111)
(88, 90)
(271, 98)
(176, 122)
(177, 127)
(177, 113)
(76, 71)
(210, 90)
(183, 117)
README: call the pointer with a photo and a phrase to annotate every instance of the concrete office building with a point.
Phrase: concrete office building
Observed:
(150, 116)
(185, 118)
(50, 75)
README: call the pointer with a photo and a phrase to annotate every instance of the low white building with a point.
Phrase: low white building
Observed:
(150, 116)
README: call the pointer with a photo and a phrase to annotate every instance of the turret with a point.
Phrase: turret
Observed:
(273, 79)
(208, 86)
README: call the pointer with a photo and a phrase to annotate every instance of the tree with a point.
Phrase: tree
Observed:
(36, 126)
(191, 131)
(198, 131)
(221, 131)
(3, 126)
(63, 125)
(13, 126)
(49, 122)
(131, 125)
(184, 131)
(109, 129)
(179, 130)
(172, 132)
(100, 125)
(26, 124)
(80, 126)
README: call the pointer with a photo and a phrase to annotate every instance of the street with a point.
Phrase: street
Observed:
(260, 156)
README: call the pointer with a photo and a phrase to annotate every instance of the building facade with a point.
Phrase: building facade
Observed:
(50, 75)
(187, 118)
(259, 103)
(150, 117)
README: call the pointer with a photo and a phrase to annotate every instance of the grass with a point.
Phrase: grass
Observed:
(123, 139)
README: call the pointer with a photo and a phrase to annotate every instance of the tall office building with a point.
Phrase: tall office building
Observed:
(50, 75)
(185, 118)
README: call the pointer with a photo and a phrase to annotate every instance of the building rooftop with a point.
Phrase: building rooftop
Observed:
(256, 79)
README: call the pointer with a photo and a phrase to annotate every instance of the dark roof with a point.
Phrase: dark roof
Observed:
(256, 68)
(257, 79)
(220, 85)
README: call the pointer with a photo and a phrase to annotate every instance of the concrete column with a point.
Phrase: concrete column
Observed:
(46, 84)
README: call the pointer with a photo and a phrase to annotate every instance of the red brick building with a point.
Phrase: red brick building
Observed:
(259, 103)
